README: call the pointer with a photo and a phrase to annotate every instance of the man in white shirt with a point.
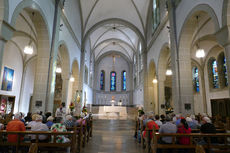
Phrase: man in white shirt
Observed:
(60, 112)
(39, 126)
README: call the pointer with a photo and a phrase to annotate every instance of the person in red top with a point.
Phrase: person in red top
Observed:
(15, 125)
(184, 128)
(150, 125)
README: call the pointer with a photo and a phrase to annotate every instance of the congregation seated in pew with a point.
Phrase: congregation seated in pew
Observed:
(43, 130)
(185, 126)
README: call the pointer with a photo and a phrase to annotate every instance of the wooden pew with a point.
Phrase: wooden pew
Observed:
(142, 128)
(33, 148)
(193, 137)
(51, 146)
(217, 131)
(200, 149)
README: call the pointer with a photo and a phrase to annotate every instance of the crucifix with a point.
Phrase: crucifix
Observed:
(114, 60)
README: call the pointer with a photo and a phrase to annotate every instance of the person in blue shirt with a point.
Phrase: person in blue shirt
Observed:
(50, 121)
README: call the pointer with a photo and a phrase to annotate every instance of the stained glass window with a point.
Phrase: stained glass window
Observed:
(102, 80)
(215, 74)
(195, 78)
(113, 81)
(156, 13)
(225, 72)
(124, 80)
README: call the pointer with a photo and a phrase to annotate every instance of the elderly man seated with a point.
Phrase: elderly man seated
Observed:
(168, 127)
(39, 126)
(207, 127)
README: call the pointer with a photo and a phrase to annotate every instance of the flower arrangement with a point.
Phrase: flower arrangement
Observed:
(84, 110)
(71, 106)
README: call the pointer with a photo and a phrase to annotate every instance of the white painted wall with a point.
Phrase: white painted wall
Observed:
(12, 59)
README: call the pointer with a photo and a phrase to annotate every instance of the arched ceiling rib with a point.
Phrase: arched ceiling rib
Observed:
(124, 27)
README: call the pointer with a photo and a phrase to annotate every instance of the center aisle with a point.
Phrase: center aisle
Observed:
(113, 136)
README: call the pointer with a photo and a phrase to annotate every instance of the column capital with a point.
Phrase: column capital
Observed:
(223, 36)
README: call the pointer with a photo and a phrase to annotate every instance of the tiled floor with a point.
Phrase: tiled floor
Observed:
(113, 136)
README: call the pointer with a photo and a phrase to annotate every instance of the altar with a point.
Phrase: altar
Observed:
(113, 111)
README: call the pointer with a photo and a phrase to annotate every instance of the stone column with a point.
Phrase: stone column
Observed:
(53, 57)
(81, 76)
(203, 87)
(181, 67)
(145, 81)
(161, 95)
(174, 61)
(65, 89)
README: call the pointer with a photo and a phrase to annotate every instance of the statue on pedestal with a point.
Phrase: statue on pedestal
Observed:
(113, 100)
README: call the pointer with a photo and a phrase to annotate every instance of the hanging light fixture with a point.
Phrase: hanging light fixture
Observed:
(168, 72)
(72, 79)
(58, 70)
(29, 48)
(199, 52)
(155, 81)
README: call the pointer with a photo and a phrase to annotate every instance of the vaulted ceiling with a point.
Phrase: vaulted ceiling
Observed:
(114, 25)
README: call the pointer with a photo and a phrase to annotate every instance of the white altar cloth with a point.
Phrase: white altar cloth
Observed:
(113, 110)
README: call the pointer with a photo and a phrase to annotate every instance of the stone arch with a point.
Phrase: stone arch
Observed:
(62, 79)
(38, 88)
(185, 87)
(63, 52)
(199, 8)
(152, 103)
(75, 71)
(163, 65)
(162, 60)
(29, 4)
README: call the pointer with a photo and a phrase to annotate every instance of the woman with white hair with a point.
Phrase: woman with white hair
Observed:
(191, 124)
(68, 121)
(39, 126)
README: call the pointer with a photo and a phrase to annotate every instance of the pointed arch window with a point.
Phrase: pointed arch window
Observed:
(102, 80)
(124, 77)
(156, 13)
(225, 71)
(215, 74)
(113, 81)
(195, 78)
